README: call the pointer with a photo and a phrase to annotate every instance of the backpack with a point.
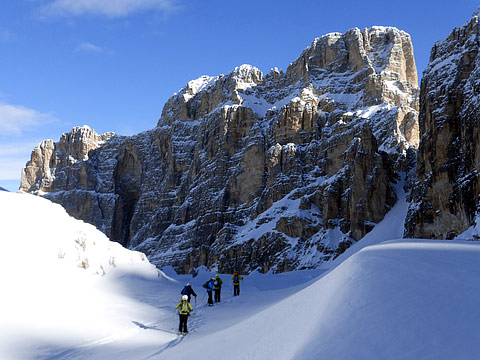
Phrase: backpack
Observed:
(206, 284)
(184, 307)
(235, 279)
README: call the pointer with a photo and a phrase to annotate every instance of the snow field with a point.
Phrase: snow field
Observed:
(405, 299)
(399, 299)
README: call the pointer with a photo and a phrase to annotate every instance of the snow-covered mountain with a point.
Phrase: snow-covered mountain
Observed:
(245, 170)
(278, 171)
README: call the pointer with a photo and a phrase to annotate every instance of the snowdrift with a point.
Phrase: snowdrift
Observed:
(406, 299)
(61, 278)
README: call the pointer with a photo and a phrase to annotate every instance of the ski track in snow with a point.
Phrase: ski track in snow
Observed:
(200, 318)
(194, 323)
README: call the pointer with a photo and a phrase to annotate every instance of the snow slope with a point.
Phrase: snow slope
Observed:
(400, 299)
(61, 279)
(406, 299)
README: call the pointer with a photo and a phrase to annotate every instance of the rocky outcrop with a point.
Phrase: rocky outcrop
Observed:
(246, 170)
(445, 197)
(67, 173)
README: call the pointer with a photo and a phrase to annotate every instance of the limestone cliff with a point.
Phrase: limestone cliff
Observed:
(246, 170)
(446, 196)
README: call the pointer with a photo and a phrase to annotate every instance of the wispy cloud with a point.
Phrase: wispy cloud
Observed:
(17, 140)
(12, 148)
(16, 119)
(11, 167)
(13, 157)
(109, 8)
(89, 47)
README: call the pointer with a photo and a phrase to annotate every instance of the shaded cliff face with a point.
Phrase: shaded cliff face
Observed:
(246, 170)
(445, 197)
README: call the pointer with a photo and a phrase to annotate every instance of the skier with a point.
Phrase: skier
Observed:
(218, 287)
(236, 283)
(209, 286)
(184, 312)
(187, 290)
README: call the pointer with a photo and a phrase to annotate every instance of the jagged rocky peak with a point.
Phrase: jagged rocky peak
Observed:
(456, 42)
(365, 69)
(373, 68)
(279, 171)
(72, 150)
(445, 198)
(361, 50)
(81, 140)
(203, 95)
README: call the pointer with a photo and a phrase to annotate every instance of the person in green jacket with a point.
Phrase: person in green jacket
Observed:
(185, 309)
(217, 287)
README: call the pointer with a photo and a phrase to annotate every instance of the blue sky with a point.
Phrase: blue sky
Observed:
(112, 64)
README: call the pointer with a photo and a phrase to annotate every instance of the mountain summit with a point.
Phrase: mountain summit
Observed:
(245, 170)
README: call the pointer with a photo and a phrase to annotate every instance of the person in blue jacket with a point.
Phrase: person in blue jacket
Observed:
(187, 290)
(209, 286)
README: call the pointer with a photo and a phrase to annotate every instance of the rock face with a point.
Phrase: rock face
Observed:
(246, 170)
(446, 195)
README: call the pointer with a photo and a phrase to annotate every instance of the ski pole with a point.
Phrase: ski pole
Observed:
(174, 316)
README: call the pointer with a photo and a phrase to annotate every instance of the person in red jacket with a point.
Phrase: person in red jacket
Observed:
(236, 283)
(185, 308)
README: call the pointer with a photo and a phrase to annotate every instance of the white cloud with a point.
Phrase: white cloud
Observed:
(109, 8)
(15, 119)
(13, 157)
(11, 168)
(14, 149)
(16, 142)
(89, 47)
